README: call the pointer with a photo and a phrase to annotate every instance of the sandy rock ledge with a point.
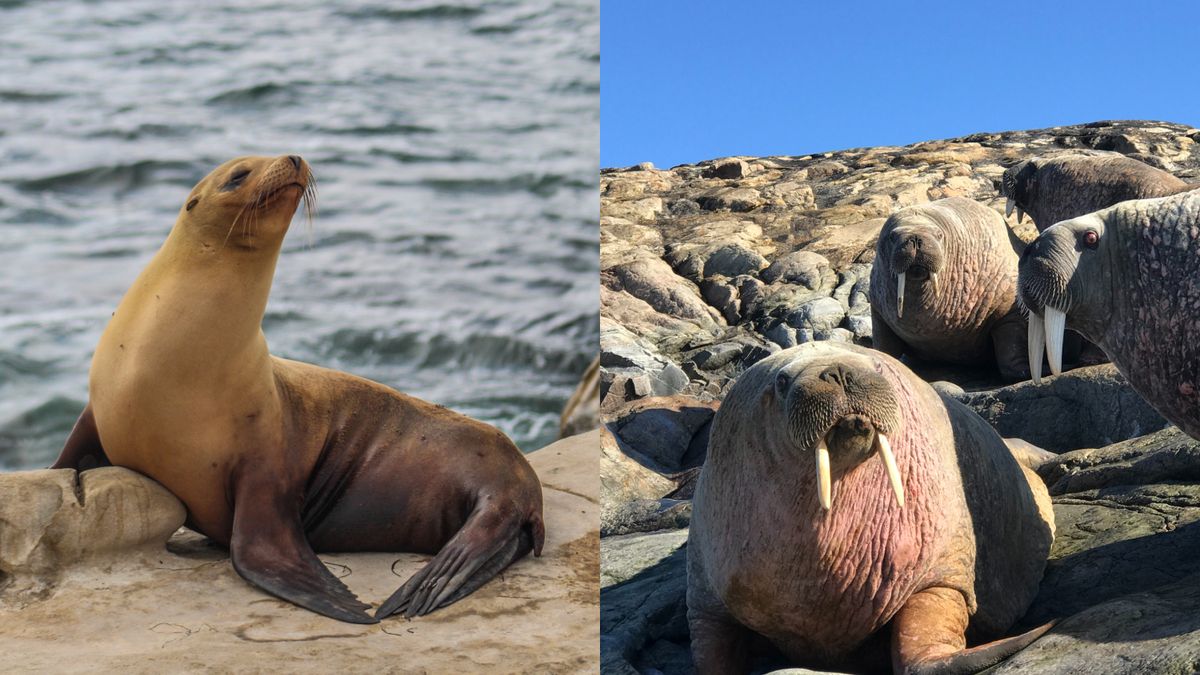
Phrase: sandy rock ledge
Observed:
(151, 609)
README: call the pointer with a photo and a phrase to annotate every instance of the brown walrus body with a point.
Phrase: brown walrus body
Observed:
(914, 515)
(944, 288)
(1066, 186)
(276, 458)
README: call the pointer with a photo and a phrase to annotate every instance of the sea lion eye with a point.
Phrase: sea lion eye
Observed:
(1091, 239)
(235, 180)
(192, 204)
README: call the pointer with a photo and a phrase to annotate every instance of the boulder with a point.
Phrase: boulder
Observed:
(1083, 408)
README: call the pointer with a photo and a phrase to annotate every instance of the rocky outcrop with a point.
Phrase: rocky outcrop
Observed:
(53, 519)
(741, 255)
(186, 609)
(759, 254)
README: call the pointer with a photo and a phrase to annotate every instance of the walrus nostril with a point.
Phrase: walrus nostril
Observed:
(836, 375)
(295, 161)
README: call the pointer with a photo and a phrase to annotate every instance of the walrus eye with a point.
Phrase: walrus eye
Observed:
(235, 180)
(1091, 239)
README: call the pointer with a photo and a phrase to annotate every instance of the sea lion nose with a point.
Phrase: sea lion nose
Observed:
(295, 159)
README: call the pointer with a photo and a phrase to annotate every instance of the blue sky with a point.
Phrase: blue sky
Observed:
(683, 81)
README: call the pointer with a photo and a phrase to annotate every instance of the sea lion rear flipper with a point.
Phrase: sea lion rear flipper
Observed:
(270, 551)
(82, 451)
(487, 543)
(929, 637)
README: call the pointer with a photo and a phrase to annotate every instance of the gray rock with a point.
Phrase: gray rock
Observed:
(666, 434)
(1154, 631)
(643, 600)
(727, 168)
(1115, 541)
(804, 268)
(732, 260)
(631, 369)
(652, 280)
(645, 515)
(822, 314)
(623, 479)
(729, 199)
(1168, 455)
(1084, 408)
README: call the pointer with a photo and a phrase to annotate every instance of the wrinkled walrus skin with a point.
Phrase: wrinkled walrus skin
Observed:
(959, 300)
(958, 562)
(1054, 189)
(278, 459)
(1128, 279)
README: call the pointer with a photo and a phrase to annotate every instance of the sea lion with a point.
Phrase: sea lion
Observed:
(276, 458)
(1127, 278)
(1058, 188)
(944, 287)
(914, 512)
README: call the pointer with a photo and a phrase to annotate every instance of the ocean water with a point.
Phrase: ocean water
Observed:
(456, 147)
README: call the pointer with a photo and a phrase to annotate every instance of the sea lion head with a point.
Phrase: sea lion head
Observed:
(1019, 187)
(1065, 273)
(914, 248)
(248, 202)
(839, 410)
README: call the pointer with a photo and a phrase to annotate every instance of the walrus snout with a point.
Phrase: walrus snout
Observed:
(1044, 273)
(916, 255)
(850, 409)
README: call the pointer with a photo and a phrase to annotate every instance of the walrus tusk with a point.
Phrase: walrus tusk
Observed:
(1037, 343)
(1056, 323)
(824, 488)
(900, 294)
(889, 461)
(1020, 215)
(933, 282)
(1009, 205)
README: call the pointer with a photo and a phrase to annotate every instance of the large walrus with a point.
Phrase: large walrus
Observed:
(276, 458)
(1128, 279)
(944, 287)
(1066, 186)
(843, 495)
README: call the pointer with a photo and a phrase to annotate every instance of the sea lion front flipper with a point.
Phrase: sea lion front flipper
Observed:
(929, 637)
(82, 451)
(270, 551)
(491, 539)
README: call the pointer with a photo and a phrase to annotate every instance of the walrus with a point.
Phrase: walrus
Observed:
(844, 499)
(944, 287)
(276, 458)
(1066, 186)
(1128, 279)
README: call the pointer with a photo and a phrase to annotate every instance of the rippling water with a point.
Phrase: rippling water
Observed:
(456, 147)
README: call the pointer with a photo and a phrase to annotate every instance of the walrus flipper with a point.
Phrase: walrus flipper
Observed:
(269, 550)
(488, 542)
(83, 451)
(928, 637)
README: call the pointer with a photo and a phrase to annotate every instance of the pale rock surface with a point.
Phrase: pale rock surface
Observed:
(185, 609)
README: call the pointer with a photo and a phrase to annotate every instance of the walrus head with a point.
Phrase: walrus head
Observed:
(1064, 273)
(1019, 187)
(915, 251)
(840, 409)
(249, 201)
